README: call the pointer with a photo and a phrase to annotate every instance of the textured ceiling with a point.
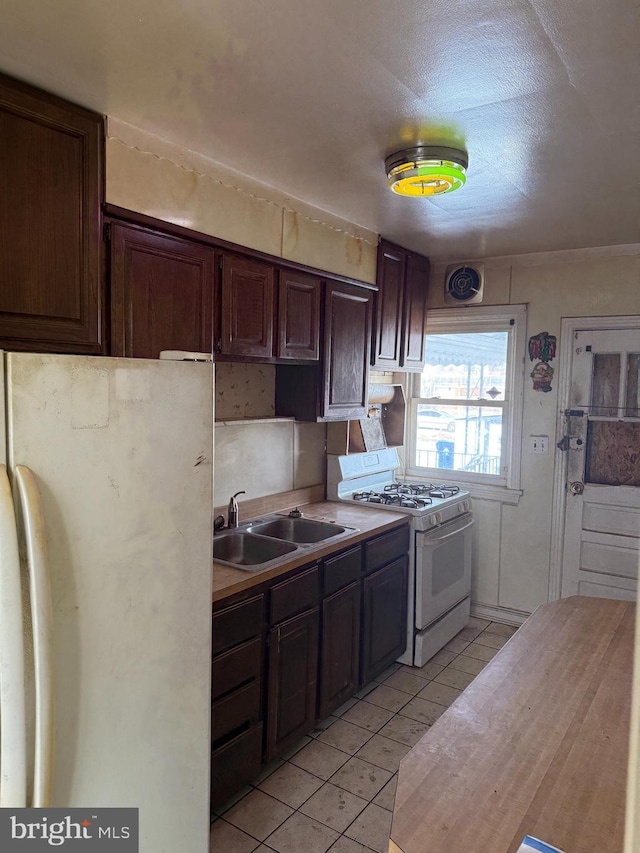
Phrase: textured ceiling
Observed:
(309, 96)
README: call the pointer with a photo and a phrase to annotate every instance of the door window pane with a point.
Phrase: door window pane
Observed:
(605, 385)
(632, 409)
(612, 453)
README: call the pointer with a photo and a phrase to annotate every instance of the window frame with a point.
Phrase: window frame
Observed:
(486, 318)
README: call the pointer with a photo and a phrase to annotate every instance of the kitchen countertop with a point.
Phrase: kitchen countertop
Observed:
(228, 581)
(536, 745)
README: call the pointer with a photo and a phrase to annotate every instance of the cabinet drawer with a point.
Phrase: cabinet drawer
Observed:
(341, 570)
(236, 624)
(383, 549)
(293, 596)
(236, 667)
(235, 711)
(235, 764)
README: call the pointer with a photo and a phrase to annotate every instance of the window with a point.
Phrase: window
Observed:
(465, 407)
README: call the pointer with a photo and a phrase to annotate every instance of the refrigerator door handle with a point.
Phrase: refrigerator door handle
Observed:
(42, 625)
(13, 727)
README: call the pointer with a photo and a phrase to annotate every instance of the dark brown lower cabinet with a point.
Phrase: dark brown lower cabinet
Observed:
(234, 764)
(340, 648)
(384, 618)
(331, 627)
(236, 697)
(292, 681)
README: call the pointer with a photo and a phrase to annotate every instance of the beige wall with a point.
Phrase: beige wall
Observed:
(512, 554)
(152, 176)
(267, 458)
(254, 450)
(149, 175)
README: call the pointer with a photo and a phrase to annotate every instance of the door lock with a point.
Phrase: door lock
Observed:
(569, 443)
(576, 488)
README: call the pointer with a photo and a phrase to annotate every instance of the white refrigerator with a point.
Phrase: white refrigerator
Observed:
(105, 589)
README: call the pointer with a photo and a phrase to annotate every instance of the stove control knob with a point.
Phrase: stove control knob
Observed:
(462, 507)
(431, 519)
(438, 517)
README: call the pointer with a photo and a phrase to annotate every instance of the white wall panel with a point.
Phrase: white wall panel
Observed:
(485, 572)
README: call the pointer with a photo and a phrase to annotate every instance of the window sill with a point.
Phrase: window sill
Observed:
(501, 494)
(483, 491)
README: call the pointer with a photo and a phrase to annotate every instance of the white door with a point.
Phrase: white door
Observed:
(602, 441)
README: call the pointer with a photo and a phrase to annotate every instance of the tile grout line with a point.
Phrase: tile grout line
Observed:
(372, 733)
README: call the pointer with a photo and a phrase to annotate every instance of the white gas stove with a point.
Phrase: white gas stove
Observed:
(440, 553)
(369, 478)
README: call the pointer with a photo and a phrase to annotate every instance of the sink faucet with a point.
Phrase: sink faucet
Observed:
(232, 518)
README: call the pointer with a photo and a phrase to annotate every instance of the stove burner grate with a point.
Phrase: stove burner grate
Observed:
(393, 497)
(442, 491)
(428, 490)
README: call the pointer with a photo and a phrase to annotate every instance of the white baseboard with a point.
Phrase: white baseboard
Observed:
(499, 614)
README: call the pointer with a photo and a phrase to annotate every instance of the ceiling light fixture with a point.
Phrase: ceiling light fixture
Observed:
(426, 170)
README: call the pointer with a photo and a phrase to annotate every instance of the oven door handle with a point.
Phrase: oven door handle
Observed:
(428, 540)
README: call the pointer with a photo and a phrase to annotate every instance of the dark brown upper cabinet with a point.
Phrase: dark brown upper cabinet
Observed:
(401, 309)
(414, 317)
(51, 188)
(247, 306)
(390, 278)
(161, 293)
(172, 288)
(298, 316)
(347, 350)
(268, 313)
(336, 388)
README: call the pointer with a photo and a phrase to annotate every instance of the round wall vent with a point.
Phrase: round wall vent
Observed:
(463, 284)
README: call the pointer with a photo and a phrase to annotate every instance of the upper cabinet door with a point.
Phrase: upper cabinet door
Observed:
(298, 317)
(347, 350)
(401, 316)
(390, 279)
(247, 307)
(51, 186)
(415, 313)
(161, 293)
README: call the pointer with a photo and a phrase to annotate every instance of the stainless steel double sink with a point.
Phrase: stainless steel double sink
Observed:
(269, 541)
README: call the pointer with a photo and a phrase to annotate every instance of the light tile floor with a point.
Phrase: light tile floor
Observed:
(334, 791)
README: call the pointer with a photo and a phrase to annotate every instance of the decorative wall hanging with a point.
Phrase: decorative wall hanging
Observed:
(542, 374)
(543, 348)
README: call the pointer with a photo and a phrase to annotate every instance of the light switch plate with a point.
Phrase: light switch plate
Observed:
(538, 444)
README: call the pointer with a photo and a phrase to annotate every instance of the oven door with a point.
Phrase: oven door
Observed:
(443, 568)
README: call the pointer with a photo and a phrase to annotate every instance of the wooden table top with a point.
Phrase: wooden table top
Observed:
(536, 745)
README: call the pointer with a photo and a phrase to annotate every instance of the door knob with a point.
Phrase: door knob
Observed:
(576, 488)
